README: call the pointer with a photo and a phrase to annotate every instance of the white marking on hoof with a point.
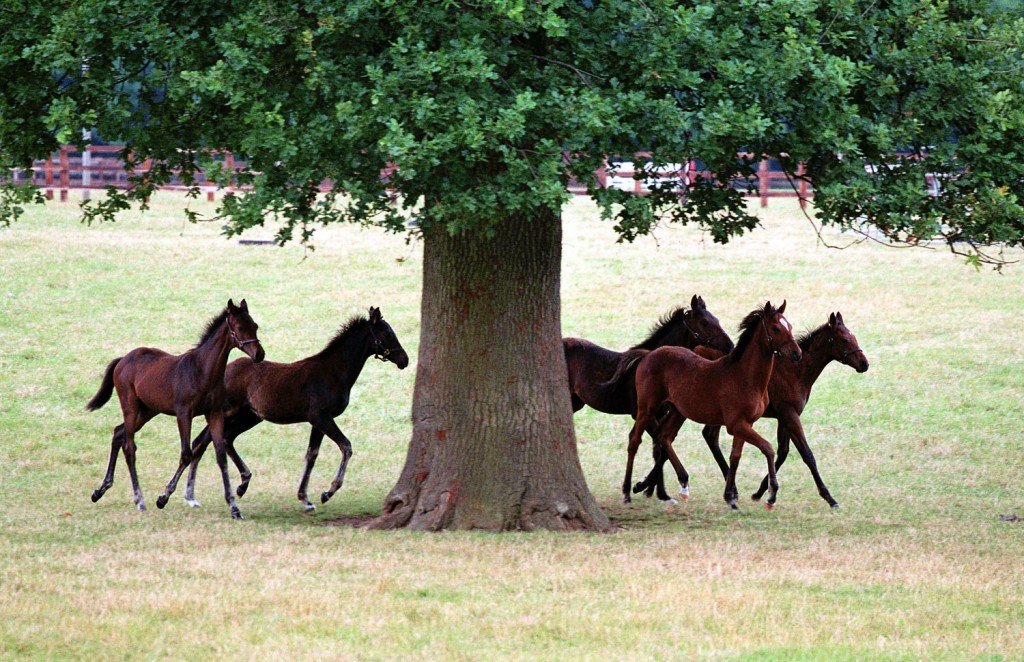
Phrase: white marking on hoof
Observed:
(672, 502)
(309, 507)
(684, 492)
(191, 501)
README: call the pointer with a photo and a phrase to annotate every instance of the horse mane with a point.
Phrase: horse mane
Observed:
(747, 329)
(806, 338)
(211, 327)
(661, 328)
(347, 330)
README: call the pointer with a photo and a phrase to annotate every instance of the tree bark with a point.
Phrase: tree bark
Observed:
(493, 445)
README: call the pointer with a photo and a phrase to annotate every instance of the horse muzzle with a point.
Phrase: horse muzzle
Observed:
(399, 358)
(255, 352)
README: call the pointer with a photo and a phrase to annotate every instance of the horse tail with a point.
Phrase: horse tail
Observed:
(627, 365)
(106, 388)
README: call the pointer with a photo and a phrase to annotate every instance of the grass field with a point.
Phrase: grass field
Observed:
(924, 452)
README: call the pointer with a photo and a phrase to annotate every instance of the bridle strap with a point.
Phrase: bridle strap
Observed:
(238, 342)
(380, 352)
(847, 352)
(699, 339)
(776, 348)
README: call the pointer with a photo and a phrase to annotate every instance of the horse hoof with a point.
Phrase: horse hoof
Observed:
(756, 496)
(161, 501)
(309, 507)
(834, 504)
(142, 507)
(684, 493)
(96, 495)
(769, 506)
(325, 497)
(733, 506)
(236, 514)
(193, 503)
(640, 487)
(240, 490)
(627, 499)
(671, 502)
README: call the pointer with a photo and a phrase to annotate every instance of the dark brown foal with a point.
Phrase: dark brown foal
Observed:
(592, 367)
(314, 390)
(151, 381)
(730, 391)
(789, 391)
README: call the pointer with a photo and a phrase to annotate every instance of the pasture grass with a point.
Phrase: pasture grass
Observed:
(923, 451)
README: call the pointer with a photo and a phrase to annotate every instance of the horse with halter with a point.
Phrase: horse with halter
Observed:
(730, 391)
(313, 390)
(591, 366)
(150, 381)
(789, 390)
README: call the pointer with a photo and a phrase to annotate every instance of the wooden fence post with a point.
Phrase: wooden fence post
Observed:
(763, 181)
(48, 173)
(802, 186)
(65, 173)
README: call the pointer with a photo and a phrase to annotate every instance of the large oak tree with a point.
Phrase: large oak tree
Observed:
(485, 110)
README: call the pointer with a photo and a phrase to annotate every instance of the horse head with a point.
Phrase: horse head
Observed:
(243, 330)
(386, 346)
(705, 328)
(843, 344)
(780, 332)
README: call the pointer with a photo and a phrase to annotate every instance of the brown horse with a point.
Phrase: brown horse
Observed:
(591, 366)
(730, 391)
(314, 390)
(789, 390)
(150, 382)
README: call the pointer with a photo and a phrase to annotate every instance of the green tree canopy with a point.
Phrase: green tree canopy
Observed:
(488, 108)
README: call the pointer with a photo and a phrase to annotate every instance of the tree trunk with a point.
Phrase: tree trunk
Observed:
(493, 445)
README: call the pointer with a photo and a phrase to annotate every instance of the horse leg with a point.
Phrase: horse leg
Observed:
(748, 434)
(184, 460)
(654, 481)
(234, 426)
(199, 446)
(710, 434)
(636, 437)
(116, 442)
(681, 475)
(131, 425)
(332, 430)
(796, 432)
(667, 428)
(315, 437)
(781, 452)
(731, 493)
(215, 422)
(655, 478)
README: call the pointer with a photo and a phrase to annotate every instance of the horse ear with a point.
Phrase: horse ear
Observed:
(243, 306)
(696, 303)
(231, 305)
(839, 318)
(700, 302)
(832, 319)
(374, 314)
(782, 308)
